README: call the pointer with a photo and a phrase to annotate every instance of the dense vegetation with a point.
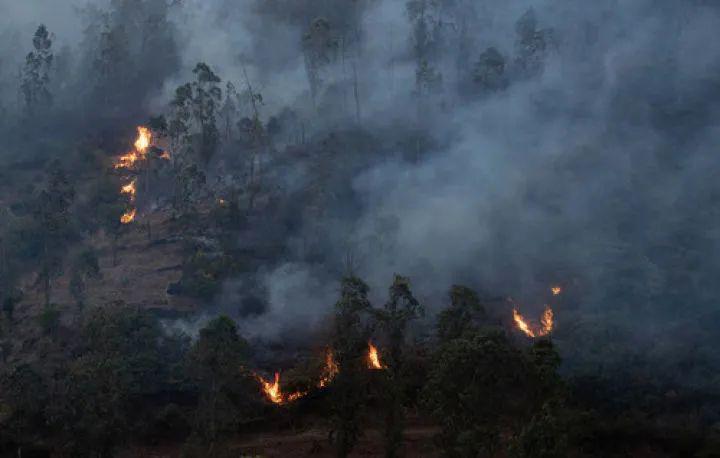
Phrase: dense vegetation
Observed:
(197, 195)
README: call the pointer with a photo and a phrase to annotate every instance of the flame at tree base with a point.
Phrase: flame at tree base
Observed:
(545, 328)
(274, 393)
(373, 358)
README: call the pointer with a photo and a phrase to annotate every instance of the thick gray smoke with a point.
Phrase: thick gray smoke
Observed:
(591, 164)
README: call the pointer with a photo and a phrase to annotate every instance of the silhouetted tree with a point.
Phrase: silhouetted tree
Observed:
(401, 308)
(216, 363)
(52, 215)
(349, 345)
(35, 84)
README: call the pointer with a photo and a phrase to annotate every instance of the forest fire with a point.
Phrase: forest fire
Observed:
(143, 141)
(374, 358)
(545, 328)
(329, 371)
(130, 190)
(128, 217)
(556, 290)
(128, 161)
(274, 393)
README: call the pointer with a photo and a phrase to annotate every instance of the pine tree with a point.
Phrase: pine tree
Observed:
(35, 84)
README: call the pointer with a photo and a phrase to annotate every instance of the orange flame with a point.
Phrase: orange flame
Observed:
(556, 290)
(522, 324)
(144, 139)
(274, 393)
(546, 323)
(142, 143)
(128, 217)
(330, 370)
(129, 189)
(374, 358)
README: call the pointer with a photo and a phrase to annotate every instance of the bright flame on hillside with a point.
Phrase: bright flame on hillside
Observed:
(330, 370)
(546, 324)
(143, 140)
(142, 143)
(129, 189)
(522, 324)
(556, 290)
(546, 321)
(274, 393)
(128, 217)
(373, 357)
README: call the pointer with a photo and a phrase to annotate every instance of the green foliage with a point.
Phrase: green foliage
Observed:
(349, 345)
(85, 266)
(545, 436)
(401, 308)
(196, 105)
(125, 361)
(203, 274)
(52, 217)
(24, 395)
(462, 316)
(216, 364)
(36, 72)
(475, 383)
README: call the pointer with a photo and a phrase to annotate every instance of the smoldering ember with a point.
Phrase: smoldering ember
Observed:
(359, 228)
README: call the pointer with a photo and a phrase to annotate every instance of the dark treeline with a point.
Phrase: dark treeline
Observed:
(308, 150)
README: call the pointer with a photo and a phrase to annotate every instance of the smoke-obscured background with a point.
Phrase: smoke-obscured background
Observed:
(514, 146)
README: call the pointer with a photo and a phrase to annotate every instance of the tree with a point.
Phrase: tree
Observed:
(229, 110)
(115, 378)
(401, 308)
(25, 394)
(216, 362)
(544, 436)
(531, 46)
(423, 15)
(475, 384)
(52, 215)
(462, 316)
(189, 180)
(320, 47)
(489, 71)
(112, 65)
(36, 72)
(349, 344)
(85, 266)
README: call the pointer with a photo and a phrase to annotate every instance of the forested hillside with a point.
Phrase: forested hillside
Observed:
(464, 228)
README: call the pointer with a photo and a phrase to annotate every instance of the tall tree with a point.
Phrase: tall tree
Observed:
(52, 215)
(349, 344)
(194, 124)
(35, 84)
(216, 362)
(320, 49)
(401, 308)
(425, 23)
